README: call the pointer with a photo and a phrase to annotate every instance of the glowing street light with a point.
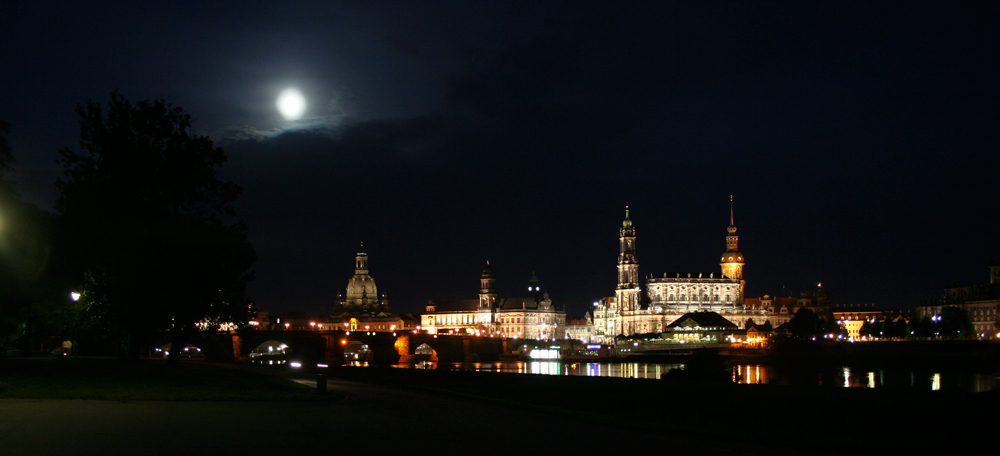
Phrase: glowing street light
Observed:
(75, 296)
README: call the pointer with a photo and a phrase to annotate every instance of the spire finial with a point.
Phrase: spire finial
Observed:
(626, 210)
(731, 219)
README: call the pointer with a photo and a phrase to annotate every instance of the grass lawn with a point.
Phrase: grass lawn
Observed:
(120, 380)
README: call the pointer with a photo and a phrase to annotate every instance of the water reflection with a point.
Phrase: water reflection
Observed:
(620, 370)
(750, 374)
(848, 377)
(753, 374)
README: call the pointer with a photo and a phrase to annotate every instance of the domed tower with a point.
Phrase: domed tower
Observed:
(534, 289)
(732, 260)
(487, 288)
(361, 290)
(627, 293)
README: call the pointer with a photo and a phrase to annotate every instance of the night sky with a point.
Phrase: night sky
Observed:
(860, 139)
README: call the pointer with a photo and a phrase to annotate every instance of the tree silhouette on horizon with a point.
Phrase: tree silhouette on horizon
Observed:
(148, 227)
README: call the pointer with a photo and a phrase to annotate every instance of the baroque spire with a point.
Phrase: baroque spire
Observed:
(732, 260)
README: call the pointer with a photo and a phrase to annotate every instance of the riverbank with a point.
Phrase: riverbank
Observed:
(679, 411)
(822, 419)
(120, 380)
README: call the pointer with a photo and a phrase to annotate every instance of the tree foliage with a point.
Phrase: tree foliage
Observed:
(149, 226)
(25, 241)
(7, 163)
(804, 324)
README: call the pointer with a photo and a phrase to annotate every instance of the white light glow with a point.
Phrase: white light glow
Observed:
(291, 104)
(544, 354)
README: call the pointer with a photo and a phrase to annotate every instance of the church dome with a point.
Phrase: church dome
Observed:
(361, 286)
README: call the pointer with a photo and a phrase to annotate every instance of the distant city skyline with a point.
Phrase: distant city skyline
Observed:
(859, 139)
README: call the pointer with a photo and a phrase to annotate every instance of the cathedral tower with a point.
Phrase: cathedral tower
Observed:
(487, 288)
(732, 260)
(627, 294)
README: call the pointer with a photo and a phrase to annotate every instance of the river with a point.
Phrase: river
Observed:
(843, 376)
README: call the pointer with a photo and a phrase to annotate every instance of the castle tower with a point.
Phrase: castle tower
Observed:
(627, 294)
(487, 288)
(732, 260)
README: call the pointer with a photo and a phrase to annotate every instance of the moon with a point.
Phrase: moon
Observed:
(291, 104)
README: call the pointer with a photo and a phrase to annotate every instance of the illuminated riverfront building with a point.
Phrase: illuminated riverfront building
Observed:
(781, 309)
(362, 308)
(531, 317)
(673, 294)
(981, 302)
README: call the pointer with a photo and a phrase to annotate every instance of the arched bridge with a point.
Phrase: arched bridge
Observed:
(311, 347)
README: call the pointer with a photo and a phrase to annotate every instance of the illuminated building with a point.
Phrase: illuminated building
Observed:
(757, 335)
(582, 330)
(780, 310)
(531, 317)
(361, 290)
(673, 294)
(701, 328)
(853, 317)
(359, 310)
(981, 302)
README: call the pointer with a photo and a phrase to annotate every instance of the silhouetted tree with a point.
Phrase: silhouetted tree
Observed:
(149, 226)
(955, 322)
(869, 329)
(26, 299)
(922, 327)
(831, 326)
(804, 324)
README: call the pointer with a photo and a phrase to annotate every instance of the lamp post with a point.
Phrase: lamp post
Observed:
(75, 296)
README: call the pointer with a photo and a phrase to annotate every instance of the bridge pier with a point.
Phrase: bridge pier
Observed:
(238, 348)
(333, 350)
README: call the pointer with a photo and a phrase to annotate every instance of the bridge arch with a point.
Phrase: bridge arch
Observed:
(271, 351)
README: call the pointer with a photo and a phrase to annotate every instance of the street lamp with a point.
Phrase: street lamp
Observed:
(75, 296)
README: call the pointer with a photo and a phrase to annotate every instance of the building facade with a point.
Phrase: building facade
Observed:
(362, 308)
(780, 310)
(981, 302)
(673, 294)
(531, 317)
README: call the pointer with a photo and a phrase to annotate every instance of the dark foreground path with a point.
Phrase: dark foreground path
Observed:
(372, 419)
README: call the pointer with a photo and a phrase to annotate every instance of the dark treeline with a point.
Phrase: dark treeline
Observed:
(144, 240)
